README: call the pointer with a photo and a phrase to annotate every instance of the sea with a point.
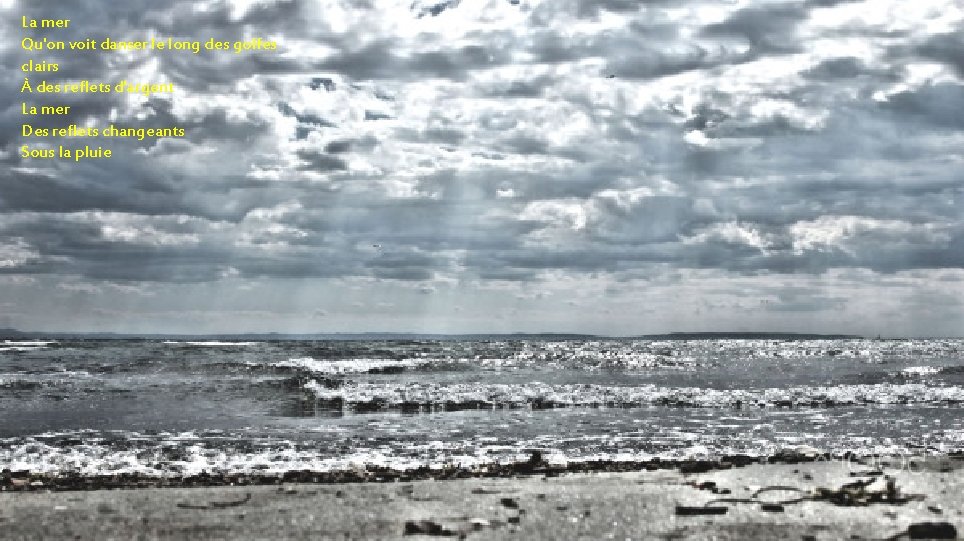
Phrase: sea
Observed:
(167, 408)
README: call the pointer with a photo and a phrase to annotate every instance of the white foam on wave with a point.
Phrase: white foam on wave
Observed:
(864, 350)
(536, 394)
(173, 455)
(25, 345)
(209, 343)
(184, 454)
(691, 354)
(152, 459)
(47, 378)
(921, 370)
(349, 366)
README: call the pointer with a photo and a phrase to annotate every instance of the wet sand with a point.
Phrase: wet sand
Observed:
(734, 503)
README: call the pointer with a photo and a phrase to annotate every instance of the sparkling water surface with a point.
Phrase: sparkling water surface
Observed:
(163, 407)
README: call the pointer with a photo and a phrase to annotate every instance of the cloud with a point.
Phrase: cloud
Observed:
(768, 28)
(947, 48)
(444, 146)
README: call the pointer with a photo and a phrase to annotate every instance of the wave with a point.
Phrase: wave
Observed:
(25, 345)
(172, 455)
(342, 366)
(209, 343)
(25, 381)
(413, 397)
(352, 366)
(28, 342)
(921, 371)
(90, 453)
(714, 349)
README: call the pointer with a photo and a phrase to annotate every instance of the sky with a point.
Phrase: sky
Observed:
(614, 167)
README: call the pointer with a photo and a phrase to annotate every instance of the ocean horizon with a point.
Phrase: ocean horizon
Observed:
(168, 408)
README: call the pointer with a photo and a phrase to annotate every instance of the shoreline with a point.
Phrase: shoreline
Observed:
(806, 500)
(27, 481)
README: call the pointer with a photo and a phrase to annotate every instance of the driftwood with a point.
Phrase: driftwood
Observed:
(685, 510)
(850, 494)
(217, 505)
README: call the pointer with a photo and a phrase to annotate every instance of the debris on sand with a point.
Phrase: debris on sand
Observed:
(509, 503)
(932, 530)
(708, 485)
(698, 466)
(217, 505)
(768, 505)
(858, 493)
(862, 492)
(426, 527)
(685, 510)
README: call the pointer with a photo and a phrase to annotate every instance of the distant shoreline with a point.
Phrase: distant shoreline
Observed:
(13, 334)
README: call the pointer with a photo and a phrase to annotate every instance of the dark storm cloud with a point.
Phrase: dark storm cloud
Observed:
(444, 135)
(829, 3)
(705, 116)
(82, 190)
(524, 144)
(947, 48)
(82, 249)
(319, 82)
(651, 63)
(654, 220)
(305, 118)
(940, 105)
(533, 88)
(378, 59)
(338, 147)
(639, 51)
(318, 161)
(592, 8)
(836, 68)
(375, 115)
(768, 29)
(435, 9)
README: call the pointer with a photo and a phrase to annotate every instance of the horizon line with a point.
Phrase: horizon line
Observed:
(7, 333)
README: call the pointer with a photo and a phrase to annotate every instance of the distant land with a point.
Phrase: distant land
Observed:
(13, 334)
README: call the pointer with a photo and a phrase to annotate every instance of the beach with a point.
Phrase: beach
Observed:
(714, 438)
(832, 499)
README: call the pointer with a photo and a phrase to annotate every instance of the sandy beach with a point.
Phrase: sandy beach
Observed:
(806, 501)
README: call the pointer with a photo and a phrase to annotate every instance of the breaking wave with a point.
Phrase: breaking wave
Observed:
(418, 396)
(352, 366)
